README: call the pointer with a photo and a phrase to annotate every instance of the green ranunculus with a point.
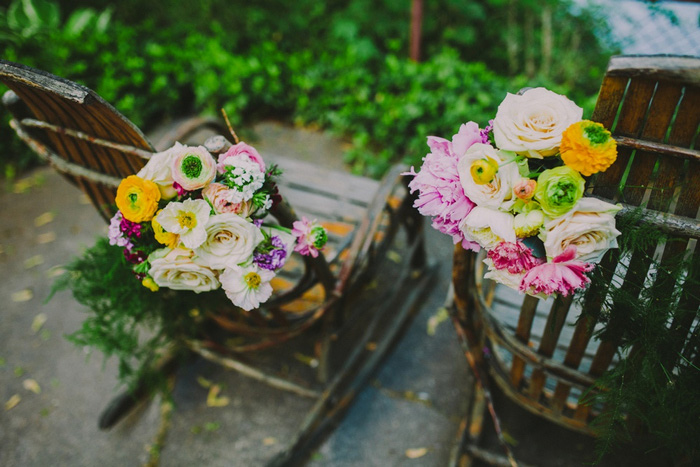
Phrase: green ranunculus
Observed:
(558, 190)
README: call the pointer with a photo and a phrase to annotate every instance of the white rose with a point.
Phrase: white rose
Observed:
(158, 169)
(497, 194)
(589, 226)
(177, 270)
(230, 240)
(532, 124)
(502, 276)
(488, 227)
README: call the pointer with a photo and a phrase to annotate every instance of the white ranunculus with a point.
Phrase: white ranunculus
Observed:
(187, 219)
(502, 276)
(497, 194)
(230, 240)
(193, 167)
(488, 227)
(177, 270)
(532, 123)
(158, 169)
(589, 226)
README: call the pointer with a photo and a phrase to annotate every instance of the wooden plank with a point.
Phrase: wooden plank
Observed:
(667, 68)
(527, 314)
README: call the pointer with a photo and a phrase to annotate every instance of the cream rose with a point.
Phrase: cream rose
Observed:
(498, 193)
(176, 270)
(158, 169)
(532, 123)
(219, 195)
(230, 240)
(589, 226)
(488, 227)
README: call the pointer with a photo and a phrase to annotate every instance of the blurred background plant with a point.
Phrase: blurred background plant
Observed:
(342, 65)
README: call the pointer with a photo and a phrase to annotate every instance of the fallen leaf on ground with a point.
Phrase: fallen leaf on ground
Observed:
(44, 219)
(33, 262)
(19, 371)
(205, 383)
(415, 453)
(394, 256)
(435, 320)
(22, 296)
(31, 385)
(371, 346)
(212, 426)
(269, 441)
(38, 322)
(213, 399)
(3, 362)
(84, 199)
(12, 402)
(47, 237)
(306, 360)
(55, 272)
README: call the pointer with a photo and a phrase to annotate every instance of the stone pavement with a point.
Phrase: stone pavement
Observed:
(52, 391)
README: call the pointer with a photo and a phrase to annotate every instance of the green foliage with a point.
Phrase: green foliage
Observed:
(654, 386)
(124, 319)
(325, 63)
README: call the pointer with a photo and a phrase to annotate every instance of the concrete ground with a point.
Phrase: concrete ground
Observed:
(52, 391)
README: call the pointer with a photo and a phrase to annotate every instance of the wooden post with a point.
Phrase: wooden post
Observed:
(416, 23)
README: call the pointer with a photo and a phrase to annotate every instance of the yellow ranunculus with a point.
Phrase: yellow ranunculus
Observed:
(587, 147)
(162, 236)
(483, 170)
(137, 199)
(150, 284)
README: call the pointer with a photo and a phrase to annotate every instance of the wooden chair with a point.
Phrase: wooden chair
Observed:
(346, 307)
(537, 352)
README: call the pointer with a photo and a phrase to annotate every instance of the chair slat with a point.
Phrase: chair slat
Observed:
(527, 315)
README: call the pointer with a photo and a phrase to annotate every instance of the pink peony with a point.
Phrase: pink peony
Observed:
(515, 257)
(563, 275)
(240, 151)
(440, 193)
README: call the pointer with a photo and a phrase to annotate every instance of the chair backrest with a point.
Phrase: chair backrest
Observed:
(541, 355)
(66, 123)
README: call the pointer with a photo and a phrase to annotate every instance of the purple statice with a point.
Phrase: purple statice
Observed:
(116, 234)
(274, 258)
(485, 132)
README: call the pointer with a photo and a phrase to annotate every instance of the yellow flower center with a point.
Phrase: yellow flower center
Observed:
(252, 280)
(187, 220)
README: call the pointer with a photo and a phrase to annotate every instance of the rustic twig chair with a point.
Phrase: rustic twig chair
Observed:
(347, 307)
(537, 352)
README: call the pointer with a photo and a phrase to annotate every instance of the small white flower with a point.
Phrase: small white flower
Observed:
(247, 287)
(230, 240)
(488, 227)
(175, 269)
(187, 219)
(243, 176)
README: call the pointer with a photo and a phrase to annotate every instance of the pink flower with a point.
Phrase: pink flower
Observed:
(563, 275)
(311, 237)
(219, 196)
(525, 188)
(240, 151)
(440, 193)
(515, 257)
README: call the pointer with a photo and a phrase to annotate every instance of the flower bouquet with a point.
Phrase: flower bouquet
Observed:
(193, 235)
(516, 189)
(189, 222)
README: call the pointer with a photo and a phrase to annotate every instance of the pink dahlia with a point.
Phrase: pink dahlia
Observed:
(441, 195)
(515, 257)
(563, 275)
